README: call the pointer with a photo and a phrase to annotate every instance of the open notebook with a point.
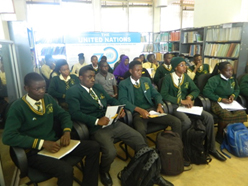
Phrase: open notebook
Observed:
(62, 152)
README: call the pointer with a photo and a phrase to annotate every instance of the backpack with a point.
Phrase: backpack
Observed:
(235, 140)
(143, 169)
(170, 148)
(196, 145)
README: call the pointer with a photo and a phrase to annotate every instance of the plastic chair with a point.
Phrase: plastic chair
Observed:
(19, 158)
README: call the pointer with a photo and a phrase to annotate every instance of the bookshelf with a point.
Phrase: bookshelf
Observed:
(227, 42)
(146, 40)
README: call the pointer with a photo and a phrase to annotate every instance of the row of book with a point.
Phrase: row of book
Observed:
(195, 49)
(222, 50)
(213, 61)
(166, 37)
(59, 50)
(192, 37)
(224, 34)
(169, 47)
(148, 48)
(175, 36)
(143, 39)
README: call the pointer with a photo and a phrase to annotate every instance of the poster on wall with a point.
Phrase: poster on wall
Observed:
(111, 45)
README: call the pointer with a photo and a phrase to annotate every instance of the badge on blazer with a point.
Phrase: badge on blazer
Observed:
(186, 85)
(49, 108)
(233, 85)
(72, 81)
(102, 96)
(146, 86)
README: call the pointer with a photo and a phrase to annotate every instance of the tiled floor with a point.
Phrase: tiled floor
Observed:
(233, 172)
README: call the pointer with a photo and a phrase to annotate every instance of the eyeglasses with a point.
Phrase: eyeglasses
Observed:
(182, 65)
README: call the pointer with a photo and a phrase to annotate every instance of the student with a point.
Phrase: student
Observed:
(118, 62)
(29, 125)
(106, 79)
(244, 86)
(163, 69)
(179, 89)
(47, 68)
(121, 69)
(151, 64)
(81, 63)
(88, 103)
(145, 73)
(61, 83)
(104, 58)
(137, 93)
(198, 68)
(222, 87)
(142, 58)
(94, 63)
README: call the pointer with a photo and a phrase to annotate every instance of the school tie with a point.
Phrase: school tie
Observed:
(136, 83)
(38, 106)
(179, 93)
(94, 96)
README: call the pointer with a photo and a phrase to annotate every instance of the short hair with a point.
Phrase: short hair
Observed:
(196, 55)
(136, 58)
(101, 63)
(181, 55)
(81, 56)
(167, 53)
(149, 56)
(103, 58)
(84, 69)
(32, 76)
(93, 57)
(59, 64)
(133, 63)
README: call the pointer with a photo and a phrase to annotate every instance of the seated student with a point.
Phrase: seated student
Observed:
(118, 62)
(94, 65)
(179, 89)
(151, 64)
(121, 69)
(222, 87)
(244, 86)
(61, 83)
(106, 79)
(145, 73)
(142, 58)
(48, 67)
(81, 63)
(137, 93)
(163, 69)
(29, 125)
(87, 103)
(104, 58)
(198, 68)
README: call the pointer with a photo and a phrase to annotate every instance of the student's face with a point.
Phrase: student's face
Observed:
(126, 62)
(142, 58)
(198, 60)
(152, 58)
(104, 68)
(81, 61)
(168, 58)
(181, 68)
(64, 70)
(36, 89)
(227, 71)
(136, 72)
(88, 79)
(94, 61)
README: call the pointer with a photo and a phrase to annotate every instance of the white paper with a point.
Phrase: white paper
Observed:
(232, 106)
(112, 113)
(193, 110)
(156, 114)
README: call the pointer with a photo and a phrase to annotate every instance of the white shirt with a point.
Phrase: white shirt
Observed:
(223, 77)
(63, 79)
(175, 78)
(32, 102)
(133, 81)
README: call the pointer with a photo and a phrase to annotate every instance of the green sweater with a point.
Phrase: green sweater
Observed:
(58, 87)
(25, 126)
(244, 85)
(83, 108)
(218, 88)
(140, 99)
(169, 89)
(161, 72)
(204, 70)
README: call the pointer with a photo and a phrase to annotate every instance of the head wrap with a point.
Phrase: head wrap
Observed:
(175, 61)
(121, 68)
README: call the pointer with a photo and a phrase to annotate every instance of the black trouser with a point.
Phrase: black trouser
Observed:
(63, 170)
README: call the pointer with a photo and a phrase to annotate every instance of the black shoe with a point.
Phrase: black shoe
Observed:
(219, 138)
(217, 155)
(106, 179)
(162, 182)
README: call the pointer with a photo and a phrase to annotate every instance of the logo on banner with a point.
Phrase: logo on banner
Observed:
(111, 54)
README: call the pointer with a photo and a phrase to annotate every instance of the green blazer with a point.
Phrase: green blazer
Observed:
(84, 108)
(244, 85)
(126, 93)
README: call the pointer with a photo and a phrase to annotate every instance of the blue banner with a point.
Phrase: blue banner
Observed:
(103, 37)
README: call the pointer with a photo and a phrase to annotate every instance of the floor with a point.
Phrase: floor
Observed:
(229, 173)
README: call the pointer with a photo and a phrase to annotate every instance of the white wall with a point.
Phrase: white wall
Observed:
(213, 12)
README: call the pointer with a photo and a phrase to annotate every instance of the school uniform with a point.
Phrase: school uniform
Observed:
(204, 69)
(219, 87)
(141, 95)
(84, 108)
(28, 126)
(162, 70)
(149, 65)
(76, 68)
(58, 87)
(244, 86)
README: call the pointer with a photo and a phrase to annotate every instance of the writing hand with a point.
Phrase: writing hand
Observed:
(51, 146)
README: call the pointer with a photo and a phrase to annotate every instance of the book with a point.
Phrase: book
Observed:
(232, 106)
(113, 113)
(62, 152)
(154, 114)
(193, 110)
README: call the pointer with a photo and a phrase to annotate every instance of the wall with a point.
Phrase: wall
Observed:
(214, 12)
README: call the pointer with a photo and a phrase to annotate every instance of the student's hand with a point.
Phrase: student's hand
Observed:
(65, 139)
(121, 78)
(231, 98)
(187, 103)
(51, 146)
(227, 101)
(160, 108)
(122, 114)
(143, 113)
(103, 121)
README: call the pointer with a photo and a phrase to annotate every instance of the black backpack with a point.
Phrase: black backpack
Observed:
(143, 169)
(170, 148)
(196, 144)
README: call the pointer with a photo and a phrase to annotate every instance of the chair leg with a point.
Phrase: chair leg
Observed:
(127, 155)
